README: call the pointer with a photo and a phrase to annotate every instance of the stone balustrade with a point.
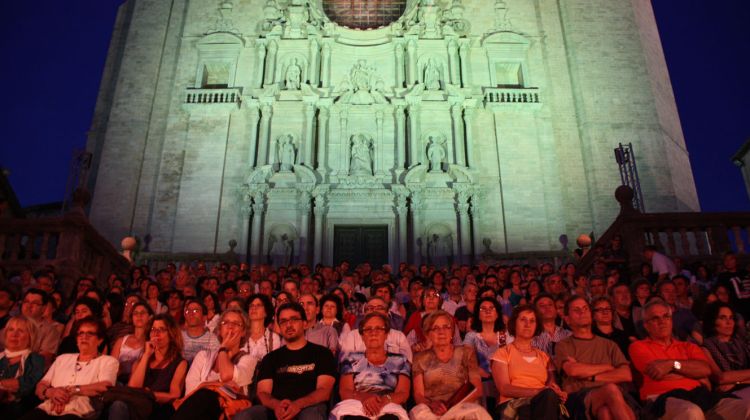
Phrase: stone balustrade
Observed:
(213, 96)
(511, 95)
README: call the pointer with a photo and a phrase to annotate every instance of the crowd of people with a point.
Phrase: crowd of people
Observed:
(203, 341)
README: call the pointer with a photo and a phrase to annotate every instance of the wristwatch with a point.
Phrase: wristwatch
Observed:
(677, 365)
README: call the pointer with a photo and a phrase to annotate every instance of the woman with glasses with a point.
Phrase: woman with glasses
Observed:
(727, 349)
(71, 381)
(373, 383)
(129, 348)
(84, 307)
(447, 383)
(216, 376)
(20, 368)
(161, 370)
(261, 339)
(523, 374)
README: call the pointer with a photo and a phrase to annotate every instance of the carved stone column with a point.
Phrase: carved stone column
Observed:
(265, 131)
(307, 158)
(415, 154)
(416, 210)
(253, 131)
(344, 121)
(380, 163)
(312, 67)
(304, 239)
(322, 146)
(453, 62)
(399, 50)
(458, 134)
(411, 49)
(463, 52)
(256, 231)
(325, 65)
(320, 210)
(462, 207)
(246, 212)
(400, 138)
(402, 211)
(474, 217)
(468, 119)
(271, 62)
(261, 63)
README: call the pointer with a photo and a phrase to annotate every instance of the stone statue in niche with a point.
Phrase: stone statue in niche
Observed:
(361, 156)
(280, 250)
(287, 152)
(293, 76)
(440, 249)
(432, 75)
(436, 153)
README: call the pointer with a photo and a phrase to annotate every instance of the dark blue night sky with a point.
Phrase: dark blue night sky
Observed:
(53, 53)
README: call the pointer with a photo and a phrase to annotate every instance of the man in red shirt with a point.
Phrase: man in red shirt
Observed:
(675, 373)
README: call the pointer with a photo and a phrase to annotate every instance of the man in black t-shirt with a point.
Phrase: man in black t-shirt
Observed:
(294, 381)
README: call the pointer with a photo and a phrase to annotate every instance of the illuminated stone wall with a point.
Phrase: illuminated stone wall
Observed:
(469, 128)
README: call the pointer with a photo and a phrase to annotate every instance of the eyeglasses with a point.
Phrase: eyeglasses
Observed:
(439, 328)
(140, 313)
(603, 310)
(375, 308)
(193, 311)
(87, 334)
(30, 302)
(371, 330)
(487, 309)
(283, 322)
(232, 324)
(158, 330)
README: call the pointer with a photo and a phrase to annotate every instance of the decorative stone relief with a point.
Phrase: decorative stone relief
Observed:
(436, 153)
(293, 78)
(361, 155)
(432, 75)
(287, 152)
(223, 22)
(362, 87)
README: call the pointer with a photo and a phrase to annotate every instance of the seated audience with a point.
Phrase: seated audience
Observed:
(603, 325)
(20, 368)
(446, 379)
(128, 349)
(261, 339)
(83, 307)
(551, 333)
(675, 373)
(195, 335)
(373, 383)
(316, 332)
(524, 376)
(395, 341)
(74, 378)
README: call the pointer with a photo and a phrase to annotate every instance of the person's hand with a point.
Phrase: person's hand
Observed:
(658, 369)
(93, 389)
(291, 411)
(437, 407)
(373, 404)
(231, 340)
(559, 392)
(58, 395)
(10, 385)
(280, 410)
(148, 349)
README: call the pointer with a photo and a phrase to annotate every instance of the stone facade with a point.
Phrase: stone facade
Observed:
(464, 127)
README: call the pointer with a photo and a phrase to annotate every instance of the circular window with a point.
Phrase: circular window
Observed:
(364, 14)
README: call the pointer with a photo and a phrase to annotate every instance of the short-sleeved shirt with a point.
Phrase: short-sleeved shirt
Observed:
(485, 351)
(646, 351)
(192, 345)
(371, 378)
(323, 335)
(295, 372)
(524, 370)
(595, 351)
(442, 380)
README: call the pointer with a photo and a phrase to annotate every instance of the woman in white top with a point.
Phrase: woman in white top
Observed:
(261, 340)
(227, 370)
(74, 377)
(128, 349)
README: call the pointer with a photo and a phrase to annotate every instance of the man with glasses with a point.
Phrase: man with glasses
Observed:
(592, 368)
(48, 336)
(675, 373)
(604, 324)
(296, 380)
(395, 342)
(195, 335)
(384, 290)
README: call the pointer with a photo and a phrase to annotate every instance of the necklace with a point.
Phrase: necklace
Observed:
(523, 350)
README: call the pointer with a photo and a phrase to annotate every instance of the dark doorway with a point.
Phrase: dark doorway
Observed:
(358, 244)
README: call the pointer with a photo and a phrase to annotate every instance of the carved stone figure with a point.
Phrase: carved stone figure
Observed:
(287, 153)
(440, 249)
(361, 156)
(281, 250)
(432, 75)
(436, 154)
(293, 76)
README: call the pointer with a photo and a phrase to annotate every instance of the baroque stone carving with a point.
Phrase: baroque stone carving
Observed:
(293, 78)
(280, 250)
(436, 153)
(223, 22)
(361, 155)
(287, 152)
(363, 86)
(440, 249)
(432, 75)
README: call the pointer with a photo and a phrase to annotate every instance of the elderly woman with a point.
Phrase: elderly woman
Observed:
(161, 370)
(727, 350)
(374, 383)
(75, 377)
(128, 349)
(523, 374)
(218, 375)
(84, 307)
(447, 382)
(332, 314)
(20, 369)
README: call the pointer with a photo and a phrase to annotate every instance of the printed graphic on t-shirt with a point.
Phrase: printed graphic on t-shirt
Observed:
(296, 369)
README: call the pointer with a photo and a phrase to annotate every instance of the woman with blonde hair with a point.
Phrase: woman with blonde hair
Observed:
(20, 368)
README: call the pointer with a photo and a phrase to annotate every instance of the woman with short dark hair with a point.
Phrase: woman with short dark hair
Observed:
(727, 350)
(332, 314)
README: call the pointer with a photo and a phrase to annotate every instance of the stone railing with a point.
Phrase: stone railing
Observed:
(67, 243)
(693, 237)
(511, 96)
(158, 260)
(213, 96)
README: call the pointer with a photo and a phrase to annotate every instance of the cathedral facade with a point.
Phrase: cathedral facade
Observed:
(430, 131)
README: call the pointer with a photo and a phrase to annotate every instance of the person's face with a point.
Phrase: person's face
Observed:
(209, 302)
(722, 294)
(194, 315)
(229, 294)
(441, 332)
(643, 291)
(534, 288)
(232, 323)
(329, 310)
(244, 289)
(487, 313)
(579, 314)
(376, 305)
(211, 285)
(82, 311)
(431, 300)
(597, 287)
(32, 306)
(153, 292)
(622, 297)
(730, 262)
(281, 299)
(560, 307)
(87, 339)
(266, 288)
(725, 323)
(554, 284)
(491, 282)
(257, 311)
(658, 322)
(291, 288)
(174, 303)
(526, 325)
(291, 325)
(46, 284)
(415, 292)
(373, 334)
(603, 313)
(159, 334)
(384, 293)
(681, 288)
(311, 308)
(84, 285)
(140, 316)
(515, 279)
(17, 336)
(470, 293)
(547, 309)
(307, 285)
(669, 293)
(438, 280)
(454, 287)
